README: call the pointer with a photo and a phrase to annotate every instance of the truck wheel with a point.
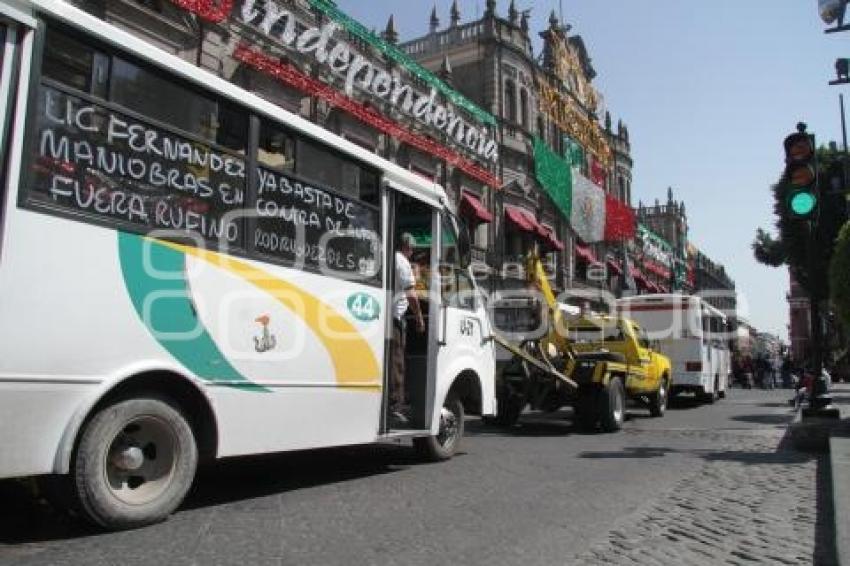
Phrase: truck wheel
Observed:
(512, 410)
(447, 441)
(134, 464)
(585, 409)
(658, 400)
(612, 404)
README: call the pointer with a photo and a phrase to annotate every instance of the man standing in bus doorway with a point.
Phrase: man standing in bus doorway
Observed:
(404, 297)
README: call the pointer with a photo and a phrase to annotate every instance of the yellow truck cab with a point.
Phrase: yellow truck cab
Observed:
(619, 347)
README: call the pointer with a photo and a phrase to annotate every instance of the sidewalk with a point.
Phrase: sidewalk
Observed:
(839, 455)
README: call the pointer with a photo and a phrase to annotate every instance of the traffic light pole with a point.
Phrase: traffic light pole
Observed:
(816, 329)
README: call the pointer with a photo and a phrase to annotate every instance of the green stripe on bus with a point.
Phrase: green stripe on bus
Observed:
(160, 281)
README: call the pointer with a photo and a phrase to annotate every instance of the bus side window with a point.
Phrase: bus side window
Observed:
(276, 148)
(68, 61)
(167, 101)
(456, 284)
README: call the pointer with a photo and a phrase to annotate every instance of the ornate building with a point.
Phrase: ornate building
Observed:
(548, 99)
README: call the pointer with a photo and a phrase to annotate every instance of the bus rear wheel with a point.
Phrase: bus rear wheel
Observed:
(447, 441)
(134, 464)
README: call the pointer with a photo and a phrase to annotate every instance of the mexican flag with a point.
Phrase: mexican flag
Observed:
(594, 215)
(587, 217)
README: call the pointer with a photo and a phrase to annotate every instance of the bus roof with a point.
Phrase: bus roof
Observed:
(667, 301)
(396, 176)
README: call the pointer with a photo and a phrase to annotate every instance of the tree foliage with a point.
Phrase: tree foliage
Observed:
(839, 275)
(768, 250)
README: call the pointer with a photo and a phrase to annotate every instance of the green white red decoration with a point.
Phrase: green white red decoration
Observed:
(594, 215)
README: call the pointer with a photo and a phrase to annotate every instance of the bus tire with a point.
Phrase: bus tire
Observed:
(134, 464)
(612, 405)
(709, 397)
(447, 441)
(658, 400)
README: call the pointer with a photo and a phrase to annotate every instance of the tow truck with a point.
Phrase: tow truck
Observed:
(594, 364)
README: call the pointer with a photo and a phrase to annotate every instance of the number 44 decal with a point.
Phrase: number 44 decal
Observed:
(364, 307)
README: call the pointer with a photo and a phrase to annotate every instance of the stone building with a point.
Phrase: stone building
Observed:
(548, 97)
(670, 222)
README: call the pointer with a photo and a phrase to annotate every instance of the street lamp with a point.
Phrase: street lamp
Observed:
(833, 11)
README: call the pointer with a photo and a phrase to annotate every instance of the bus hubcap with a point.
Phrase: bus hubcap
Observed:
(141, 460)
(448, 427)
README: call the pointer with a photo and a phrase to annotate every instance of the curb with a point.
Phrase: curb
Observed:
(839, 457)
(812, 433)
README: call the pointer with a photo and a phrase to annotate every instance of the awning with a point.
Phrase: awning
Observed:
(525, 220)
(551, 240)
(615, 266)
(640, 278)
(475, 209)
(584, 253)
(516, 217)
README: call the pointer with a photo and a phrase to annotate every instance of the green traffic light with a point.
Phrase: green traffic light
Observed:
(803, 203)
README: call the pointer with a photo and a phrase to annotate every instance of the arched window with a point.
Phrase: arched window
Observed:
(510, 101)
(523, 107)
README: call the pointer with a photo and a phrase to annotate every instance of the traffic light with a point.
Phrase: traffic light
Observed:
(801, 177)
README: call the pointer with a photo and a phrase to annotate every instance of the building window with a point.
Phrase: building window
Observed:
(622, 183)
(510, 101)
(523, 107)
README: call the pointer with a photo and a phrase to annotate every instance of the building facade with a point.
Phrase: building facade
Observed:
(547, 99)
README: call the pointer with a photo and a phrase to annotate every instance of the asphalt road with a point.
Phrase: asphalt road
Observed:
(539, 493)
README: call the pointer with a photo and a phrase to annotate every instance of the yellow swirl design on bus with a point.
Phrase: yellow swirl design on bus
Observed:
(351, 355)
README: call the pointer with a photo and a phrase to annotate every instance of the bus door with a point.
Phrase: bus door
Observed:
(413, 220)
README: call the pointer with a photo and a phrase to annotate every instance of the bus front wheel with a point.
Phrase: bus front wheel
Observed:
(447, 441)
(134, 464)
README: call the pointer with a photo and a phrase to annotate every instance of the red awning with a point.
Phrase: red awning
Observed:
(525, 220)
(615, 266)
(552, 241)
(639, 278)
(584, 253)
(475, 209)
(519, 219)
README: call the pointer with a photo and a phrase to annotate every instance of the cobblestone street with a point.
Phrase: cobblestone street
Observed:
(752, 502)
(706, 484)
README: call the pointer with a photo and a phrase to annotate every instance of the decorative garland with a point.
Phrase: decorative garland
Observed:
(215, 11)
(357, 29)
(565, 113)
(291, 76)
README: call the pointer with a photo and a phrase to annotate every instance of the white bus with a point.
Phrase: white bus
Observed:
(189, 272)
(692, 333)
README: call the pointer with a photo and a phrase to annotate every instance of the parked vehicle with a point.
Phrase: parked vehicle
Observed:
(593, 364)
(190, 272)
(692, 333)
